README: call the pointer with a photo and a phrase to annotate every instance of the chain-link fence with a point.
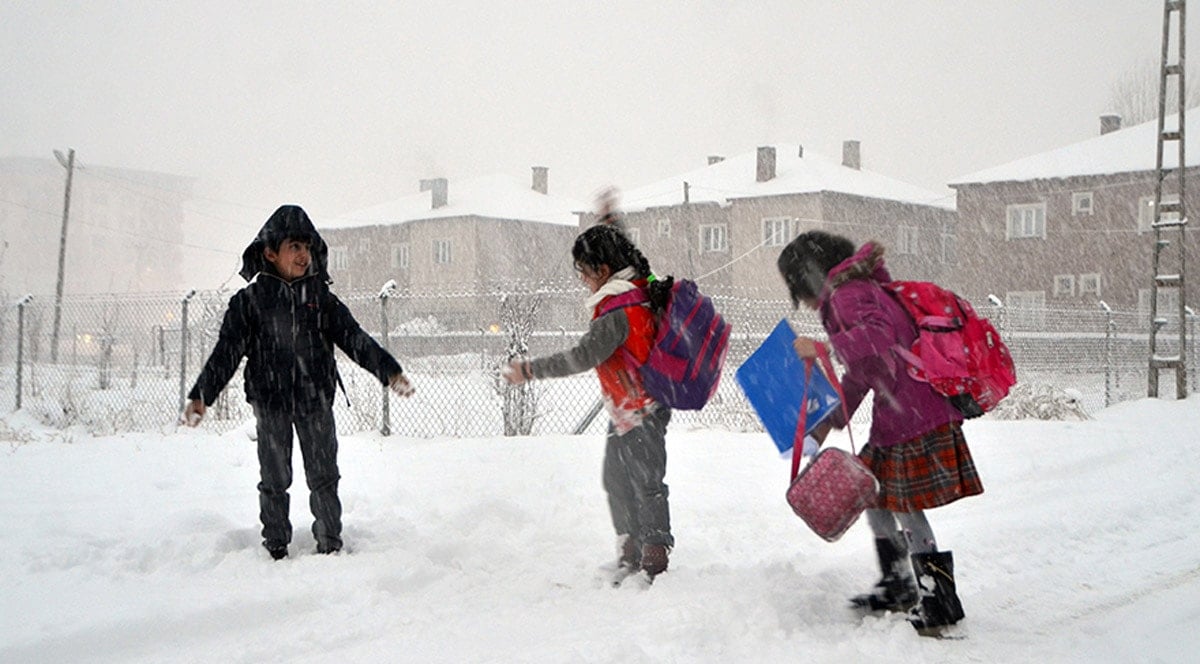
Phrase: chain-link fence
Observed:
(124, 362)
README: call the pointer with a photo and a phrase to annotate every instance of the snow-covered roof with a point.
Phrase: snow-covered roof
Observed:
(1126, 150)
(735, 178)
(491, 196)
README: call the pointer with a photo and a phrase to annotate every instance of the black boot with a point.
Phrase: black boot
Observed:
(939, 606)
(896, 590)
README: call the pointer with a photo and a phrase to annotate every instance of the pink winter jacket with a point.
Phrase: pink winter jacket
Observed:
(864, 325)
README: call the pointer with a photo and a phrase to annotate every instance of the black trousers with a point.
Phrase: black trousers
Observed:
(318, 446)
(635, 465)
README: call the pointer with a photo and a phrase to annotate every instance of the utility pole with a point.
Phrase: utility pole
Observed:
(69, 164)
(1170, 216)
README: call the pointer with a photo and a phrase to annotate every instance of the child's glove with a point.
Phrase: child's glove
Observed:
(400, 385)
(193, 412)
(811, 446)
(516, 372)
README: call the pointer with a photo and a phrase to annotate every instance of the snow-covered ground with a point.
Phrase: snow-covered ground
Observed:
(1084, 547)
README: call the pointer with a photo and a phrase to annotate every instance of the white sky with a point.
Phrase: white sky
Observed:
(345, 106)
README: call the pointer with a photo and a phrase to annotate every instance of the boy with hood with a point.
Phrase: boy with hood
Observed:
(285, 323)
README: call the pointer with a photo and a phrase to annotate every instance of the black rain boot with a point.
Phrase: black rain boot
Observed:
(939, 606)
(897, 589)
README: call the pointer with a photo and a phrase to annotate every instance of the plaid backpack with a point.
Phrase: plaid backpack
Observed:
(958, 353)
(691, 339)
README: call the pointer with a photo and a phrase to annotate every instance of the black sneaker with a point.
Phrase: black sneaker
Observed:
(277, 552)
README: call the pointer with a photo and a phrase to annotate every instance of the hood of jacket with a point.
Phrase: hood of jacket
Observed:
(866, 263)
(289, 221)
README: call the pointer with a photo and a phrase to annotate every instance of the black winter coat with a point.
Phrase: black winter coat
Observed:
(286, 332)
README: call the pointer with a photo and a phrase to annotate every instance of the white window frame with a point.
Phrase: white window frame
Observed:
(401, 255)
(1083, 203)
(1089, 283)
(339, 258)
(664, 227)
(442, 252)
(1025, 220)
(634, 235)
(906, 239)
(949, 247)
(1064, 285)
(776, 230)
(714, 238)
(1025, 308)
(1145, 216)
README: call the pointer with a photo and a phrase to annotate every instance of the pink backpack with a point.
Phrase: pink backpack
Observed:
(958, 353)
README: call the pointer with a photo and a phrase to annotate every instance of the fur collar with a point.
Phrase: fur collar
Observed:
(866, 263)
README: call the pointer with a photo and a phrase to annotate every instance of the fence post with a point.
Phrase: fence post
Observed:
(21, 342)
(1191, 316)
(389, 289)
(183, 350)
(1109, 328)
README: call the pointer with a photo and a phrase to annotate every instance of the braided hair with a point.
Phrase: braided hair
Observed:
(605, 244)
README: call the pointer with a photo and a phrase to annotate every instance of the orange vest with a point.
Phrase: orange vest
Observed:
(620, 381)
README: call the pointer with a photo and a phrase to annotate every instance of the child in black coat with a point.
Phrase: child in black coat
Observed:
(285, 323)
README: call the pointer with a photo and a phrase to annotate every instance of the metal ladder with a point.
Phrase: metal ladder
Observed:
(1170, 218)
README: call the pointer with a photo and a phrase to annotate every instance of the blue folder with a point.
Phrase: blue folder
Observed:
(773, 380)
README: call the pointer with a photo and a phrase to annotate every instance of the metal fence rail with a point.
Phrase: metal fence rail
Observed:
(124, 362)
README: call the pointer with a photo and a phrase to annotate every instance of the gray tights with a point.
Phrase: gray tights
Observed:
(909, 531)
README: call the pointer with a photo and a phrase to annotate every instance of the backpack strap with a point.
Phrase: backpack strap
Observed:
(629, 298)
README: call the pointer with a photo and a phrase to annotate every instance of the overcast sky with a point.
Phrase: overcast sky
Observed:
(339, 106)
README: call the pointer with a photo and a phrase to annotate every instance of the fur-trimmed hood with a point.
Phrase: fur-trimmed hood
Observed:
(866, 263)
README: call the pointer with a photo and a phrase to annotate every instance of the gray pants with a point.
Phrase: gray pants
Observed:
(908, 531)
(318, 446)
(634, 467)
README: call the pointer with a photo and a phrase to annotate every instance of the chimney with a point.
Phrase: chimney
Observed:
(541, 179)
(850, 155)
(766, 164)
(715, 159)
(801, 152)
(1109, 122)
(439, 187)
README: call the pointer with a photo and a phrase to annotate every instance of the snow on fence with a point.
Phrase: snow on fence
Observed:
(122, 363)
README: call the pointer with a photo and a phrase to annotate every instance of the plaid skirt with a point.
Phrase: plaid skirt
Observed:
(928, 471)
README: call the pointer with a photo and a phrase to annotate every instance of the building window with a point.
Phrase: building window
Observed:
(1081, 203)
(713, 238)
(634, 235)
(664, 228)
(1026, 308)
(1145, 219)
(1025, 221)
(775, 231)
(400, 256)
(1064, 285)
(441, 252)
(948, 249)
(1089, 284)
(339, 258)
(906, 240)
(364, 245)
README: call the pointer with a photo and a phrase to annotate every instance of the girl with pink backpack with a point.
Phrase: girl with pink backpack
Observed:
(916, 448)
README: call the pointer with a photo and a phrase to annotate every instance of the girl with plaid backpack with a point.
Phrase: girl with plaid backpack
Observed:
(916, 447)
